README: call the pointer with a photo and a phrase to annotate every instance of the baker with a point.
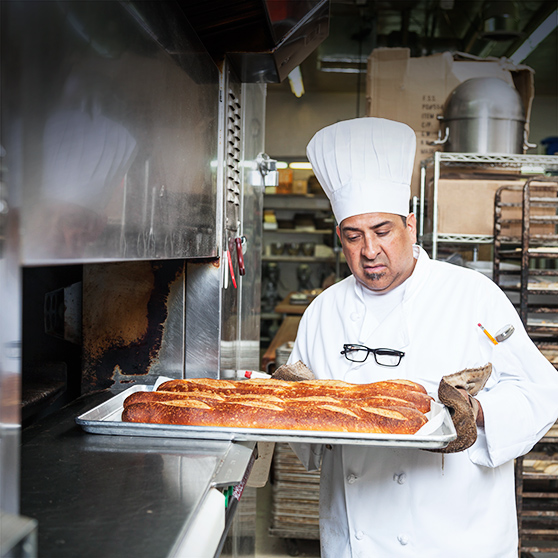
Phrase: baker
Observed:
(424, 315)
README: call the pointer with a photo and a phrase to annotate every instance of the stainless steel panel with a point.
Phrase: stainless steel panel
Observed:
(111, 129)
(254, 97)
(222, 306)
(118, 496)
(107, 419)
(203, 320)
(10, 344)
(232, 161)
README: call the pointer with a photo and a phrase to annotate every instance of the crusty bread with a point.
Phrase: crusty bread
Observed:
(406, 390)
(395, 407)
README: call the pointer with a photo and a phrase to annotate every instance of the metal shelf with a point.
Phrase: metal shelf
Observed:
(536, 252)
(300, 259)
(529, 164)
(298, 231)
(494, 160)
(460, 238)
(295, 202)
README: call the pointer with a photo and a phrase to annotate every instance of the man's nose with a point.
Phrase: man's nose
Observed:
(371, 248)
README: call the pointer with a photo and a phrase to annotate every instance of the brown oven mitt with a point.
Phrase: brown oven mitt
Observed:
(456, 392)
(296, 372)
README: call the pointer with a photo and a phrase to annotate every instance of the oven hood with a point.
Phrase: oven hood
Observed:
(263, 39)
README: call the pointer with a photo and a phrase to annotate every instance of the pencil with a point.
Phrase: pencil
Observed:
(488, 335)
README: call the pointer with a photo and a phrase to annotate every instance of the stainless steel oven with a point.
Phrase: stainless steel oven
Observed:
(132, 167)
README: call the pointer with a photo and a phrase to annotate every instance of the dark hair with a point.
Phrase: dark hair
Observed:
(404, 219)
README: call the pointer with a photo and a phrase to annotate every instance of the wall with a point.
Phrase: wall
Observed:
(291, 122)
(544, 121)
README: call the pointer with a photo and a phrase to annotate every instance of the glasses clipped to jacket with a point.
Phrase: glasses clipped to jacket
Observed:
(383, 357)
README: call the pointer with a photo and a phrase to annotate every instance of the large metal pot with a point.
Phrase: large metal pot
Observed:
(483, 115)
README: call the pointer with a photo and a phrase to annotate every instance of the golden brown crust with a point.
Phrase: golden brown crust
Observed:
(395, 407)
(147, 396)
(328, 417)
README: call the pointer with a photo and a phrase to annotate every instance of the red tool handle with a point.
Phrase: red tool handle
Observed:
(241, 268)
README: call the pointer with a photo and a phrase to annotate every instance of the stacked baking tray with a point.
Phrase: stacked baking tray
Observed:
(296, 493)
(537, 496)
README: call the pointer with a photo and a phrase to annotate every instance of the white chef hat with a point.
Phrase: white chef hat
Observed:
(364, 165)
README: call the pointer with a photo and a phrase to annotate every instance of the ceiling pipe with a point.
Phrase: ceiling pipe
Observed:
(480, 43)
(537, 29)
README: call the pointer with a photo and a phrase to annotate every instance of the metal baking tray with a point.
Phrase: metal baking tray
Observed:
(106, 418)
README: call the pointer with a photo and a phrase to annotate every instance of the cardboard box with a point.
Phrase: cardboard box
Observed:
(300, 186)
(467, 207)
(414, 90)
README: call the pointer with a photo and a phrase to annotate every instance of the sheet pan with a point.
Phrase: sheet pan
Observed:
(107, 419)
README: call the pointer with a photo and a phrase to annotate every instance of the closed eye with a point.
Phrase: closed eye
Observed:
(352, 236)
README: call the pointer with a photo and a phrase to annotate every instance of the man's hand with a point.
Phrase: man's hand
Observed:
(475, 405)
(296, 372)
(457, 391)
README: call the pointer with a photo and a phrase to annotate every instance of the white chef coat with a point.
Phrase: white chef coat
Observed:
(386, 502)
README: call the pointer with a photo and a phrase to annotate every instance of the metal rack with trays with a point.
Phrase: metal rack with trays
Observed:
(536, 488)
(535, 248)
(314, 231)
(491, 162)
(534, 240)
(297, 254)
(303, 245)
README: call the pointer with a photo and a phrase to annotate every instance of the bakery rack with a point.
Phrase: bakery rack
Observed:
(525, 266)
(528, 238)
(296, 493)
(536, 480)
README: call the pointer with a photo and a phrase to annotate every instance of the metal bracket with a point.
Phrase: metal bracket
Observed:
(267, 170)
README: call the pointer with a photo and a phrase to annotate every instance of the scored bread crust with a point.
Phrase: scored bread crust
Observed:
(392, 407)
(406, 390)
(329, 417)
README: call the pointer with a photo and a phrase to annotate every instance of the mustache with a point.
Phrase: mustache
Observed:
(375, 261)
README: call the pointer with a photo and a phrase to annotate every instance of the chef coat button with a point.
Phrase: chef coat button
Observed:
(359, 535)
(355, 316)
(400, 478)
(351, 479)
(403, 539)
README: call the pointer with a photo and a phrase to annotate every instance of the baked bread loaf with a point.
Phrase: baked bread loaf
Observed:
(392, 407)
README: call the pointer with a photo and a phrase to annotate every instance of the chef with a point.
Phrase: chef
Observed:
(424, 315)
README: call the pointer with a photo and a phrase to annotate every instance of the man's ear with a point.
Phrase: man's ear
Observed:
(412, 226)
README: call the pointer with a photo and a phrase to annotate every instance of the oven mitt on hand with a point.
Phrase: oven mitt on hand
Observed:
(452, 392)
(296, 372)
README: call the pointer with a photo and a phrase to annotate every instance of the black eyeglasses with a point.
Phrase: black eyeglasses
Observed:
(383, 357)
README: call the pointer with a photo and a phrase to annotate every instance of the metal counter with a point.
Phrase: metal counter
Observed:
(120, 496)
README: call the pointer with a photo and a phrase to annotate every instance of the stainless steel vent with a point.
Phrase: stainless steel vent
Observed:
(233, 156)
